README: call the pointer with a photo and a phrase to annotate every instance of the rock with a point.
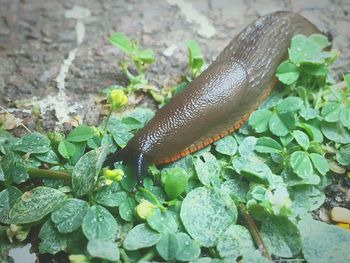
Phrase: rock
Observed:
(340, 215)
(324, 215)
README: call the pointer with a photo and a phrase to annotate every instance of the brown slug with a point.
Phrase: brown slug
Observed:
(220, 99)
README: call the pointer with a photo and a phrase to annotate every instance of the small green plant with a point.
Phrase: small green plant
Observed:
(272, 171)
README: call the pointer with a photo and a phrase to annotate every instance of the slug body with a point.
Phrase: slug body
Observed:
(221, 99)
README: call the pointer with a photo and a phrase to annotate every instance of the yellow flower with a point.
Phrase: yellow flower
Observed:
(145, 208)
(117, 99)
(114, 175)
(343, 225)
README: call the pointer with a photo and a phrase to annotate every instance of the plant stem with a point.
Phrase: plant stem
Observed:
(147, 257)
(42, 173)
(253, 229)
(124, 257)
(151, 195)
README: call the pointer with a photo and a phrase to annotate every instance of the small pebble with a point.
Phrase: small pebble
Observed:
(341, 215)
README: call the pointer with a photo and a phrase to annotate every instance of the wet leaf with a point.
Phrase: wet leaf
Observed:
(259, 120)
(141, 236)
(98, 223)
(69, 216)
(220, 211)
(51, 241)
(34, 205)
(81, 133)
(226, 145)
(103, 249)
(234, 241)
(32, 143)
(281, 236)
(323, 243)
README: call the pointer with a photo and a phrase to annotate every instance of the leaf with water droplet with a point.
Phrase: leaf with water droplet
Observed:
(34, 205)
(188, 249)
(99, 223)
(8, 198)
(33, 143)
(69, 216)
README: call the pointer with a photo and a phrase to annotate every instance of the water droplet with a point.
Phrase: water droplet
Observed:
(187, 243)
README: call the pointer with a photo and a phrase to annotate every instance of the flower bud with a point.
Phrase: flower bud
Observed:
(145, 208)
(117, 99)
(114, 175)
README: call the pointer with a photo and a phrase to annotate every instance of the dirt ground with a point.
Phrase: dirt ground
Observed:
(54, 56)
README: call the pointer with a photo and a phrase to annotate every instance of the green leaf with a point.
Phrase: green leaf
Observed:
(280, 124)
(51, 241)
(121, 41)
(247, 146)
(331, 112)
(281, 236)
(14, 168)
(302, 139)
(187, 249)
(323, 243)
(70, 215)
(226, 145)
(137, 118)
(259, 120)
(48, 157)
(343, 155)
(208, 169)
(32, 143)
(34, 205)
(306, 198)
(253, 169)
(196, 60)
(287, 73)
(85, 172)
(98, 223)
(110, 195)
(8, 198)
(103, 249)
(235, 240)
(66, 149)
(146, 55)
(290, 104)
(268, 145)
(174, 180)
(120, 132)
(335, 132)
(141, 236)
(127, 208)
(220, 211)
(236, 188)
(79, 152)
(163, 222)
(167, 246)
(81, 133)
(308, 113)
(344, 116)
(301, 164)
(313, 132)
(304, 50)
(320, 40)
(320, 163)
